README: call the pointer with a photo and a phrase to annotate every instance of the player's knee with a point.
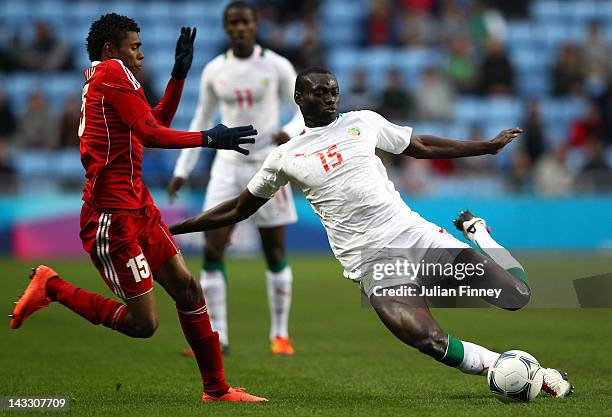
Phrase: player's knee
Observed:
(521, 297)
(432, 344)
(213, 251)
(145, 328)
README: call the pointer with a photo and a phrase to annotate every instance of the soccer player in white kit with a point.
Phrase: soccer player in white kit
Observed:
(248, 83)
(335, 166)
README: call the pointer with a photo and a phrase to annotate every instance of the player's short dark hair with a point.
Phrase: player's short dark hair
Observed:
(239, 4)
(300, 81)
(110, 27)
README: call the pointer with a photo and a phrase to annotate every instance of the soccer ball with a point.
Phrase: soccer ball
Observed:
(516, 376)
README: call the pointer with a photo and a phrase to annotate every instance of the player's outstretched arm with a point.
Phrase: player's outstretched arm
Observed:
(225, 214)
(433, 147)
(153, 135)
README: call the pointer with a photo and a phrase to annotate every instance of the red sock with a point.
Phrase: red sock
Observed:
(93, 307)
(206, 348)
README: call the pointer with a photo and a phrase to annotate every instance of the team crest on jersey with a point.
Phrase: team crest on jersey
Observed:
(354, 131)
(264, 82)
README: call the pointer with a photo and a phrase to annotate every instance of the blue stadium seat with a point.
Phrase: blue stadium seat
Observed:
(545, 10)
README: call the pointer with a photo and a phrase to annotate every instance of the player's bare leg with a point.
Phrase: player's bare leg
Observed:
(176, 279)
(279, 278)
(410, 320)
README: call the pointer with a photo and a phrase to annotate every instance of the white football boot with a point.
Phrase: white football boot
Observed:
(466, 223)
(555, 383)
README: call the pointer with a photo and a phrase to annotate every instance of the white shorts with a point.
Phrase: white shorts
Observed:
(421, 243)
(229, 178)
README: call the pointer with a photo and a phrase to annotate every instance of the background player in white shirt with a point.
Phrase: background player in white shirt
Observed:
(248, 83)
(335, 166)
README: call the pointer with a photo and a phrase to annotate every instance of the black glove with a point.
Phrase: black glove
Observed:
(223, 137)
(184, 53)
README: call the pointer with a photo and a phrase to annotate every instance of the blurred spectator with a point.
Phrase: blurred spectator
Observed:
(568, 72)
(144, 77)
(595, 50)
(519, 179)
(358, 96)
(7, 118)
(37, 129)
(532, 140)
(460, 67)
(395, 102)
(476, 165)
(46, 52)
(605, 106)
(309, 50)
(6, 63)
(453, 22)
(433, 98)
(552, 175)
(11, 53)
(416, 29)
(486, 23)
(7, 129)
(379, 25)
(421, 6)
(589, 126)
(496, 71)
(69, 123)
(596, 175)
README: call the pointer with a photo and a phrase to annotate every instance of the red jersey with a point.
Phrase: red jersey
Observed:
(112, 110)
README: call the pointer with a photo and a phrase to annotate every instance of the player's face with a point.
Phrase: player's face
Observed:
(241, 26)
(319, 100)
(129, 52)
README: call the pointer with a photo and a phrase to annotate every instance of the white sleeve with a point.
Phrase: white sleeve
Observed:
(286, 85)
(270, 176)
(203, 119)
(390, 137)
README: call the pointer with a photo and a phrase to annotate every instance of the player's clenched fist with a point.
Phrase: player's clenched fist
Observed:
(223, 137)
(503, 138)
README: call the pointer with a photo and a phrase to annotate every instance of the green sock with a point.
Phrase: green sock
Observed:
(277, 267)
(215, 266)
(454, 352)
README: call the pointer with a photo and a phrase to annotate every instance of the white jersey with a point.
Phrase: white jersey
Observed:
(345, 182)
(248, 91)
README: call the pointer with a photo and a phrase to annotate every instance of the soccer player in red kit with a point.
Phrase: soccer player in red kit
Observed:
(121, 228)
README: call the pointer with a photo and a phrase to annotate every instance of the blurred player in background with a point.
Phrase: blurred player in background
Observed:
(248, 84)
(121, 228)
(335, 165)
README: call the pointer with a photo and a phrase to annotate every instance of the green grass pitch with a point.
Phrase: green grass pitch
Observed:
(347, 363)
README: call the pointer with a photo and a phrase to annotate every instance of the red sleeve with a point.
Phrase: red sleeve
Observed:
(153, 135)
(123, 92)
(165, 110)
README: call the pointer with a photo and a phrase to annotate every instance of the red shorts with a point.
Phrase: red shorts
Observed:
(126, 246)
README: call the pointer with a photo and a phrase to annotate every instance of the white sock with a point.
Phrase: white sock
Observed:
(494, 250)
(279, 300)
(215, 293)
(476, 359)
